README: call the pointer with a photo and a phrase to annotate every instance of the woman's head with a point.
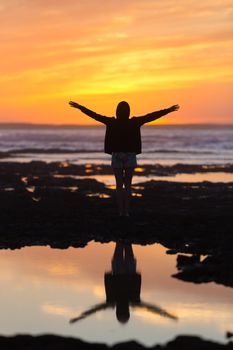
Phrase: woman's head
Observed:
(123, 110)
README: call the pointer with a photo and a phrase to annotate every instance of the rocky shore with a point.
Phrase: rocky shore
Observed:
(57, 204)
(46, 204)
(47, 342)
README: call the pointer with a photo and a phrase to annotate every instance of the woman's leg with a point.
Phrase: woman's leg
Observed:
(129, 252)
(118, 172)
(118, 259)
(130, 261)
(127, 195)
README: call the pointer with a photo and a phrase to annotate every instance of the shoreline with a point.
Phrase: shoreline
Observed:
(68, 168)
(191, 173)
(44, 204)
(38, 208)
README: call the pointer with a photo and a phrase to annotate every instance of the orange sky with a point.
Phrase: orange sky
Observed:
(150, 53)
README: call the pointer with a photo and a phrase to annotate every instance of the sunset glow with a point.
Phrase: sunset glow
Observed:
(55, 285)
(152, 54)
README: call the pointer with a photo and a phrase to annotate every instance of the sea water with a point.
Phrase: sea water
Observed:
(164, 144)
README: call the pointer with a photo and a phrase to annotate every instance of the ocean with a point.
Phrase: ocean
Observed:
(163, 144)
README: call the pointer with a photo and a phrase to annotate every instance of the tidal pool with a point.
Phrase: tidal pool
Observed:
(197, 177)
(43, 289)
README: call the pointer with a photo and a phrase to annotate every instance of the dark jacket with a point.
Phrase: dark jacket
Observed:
(123, 136)
(122, 287)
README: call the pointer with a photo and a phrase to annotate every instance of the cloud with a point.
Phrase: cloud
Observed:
(54, 48)
(58, 310)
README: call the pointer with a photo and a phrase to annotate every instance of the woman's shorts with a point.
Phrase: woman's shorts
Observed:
(124, 160)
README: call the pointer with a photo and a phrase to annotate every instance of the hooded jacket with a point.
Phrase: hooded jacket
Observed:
(123, 135)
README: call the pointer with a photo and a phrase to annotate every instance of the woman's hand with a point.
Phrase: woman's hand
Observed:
(74, 104)
(174, 108)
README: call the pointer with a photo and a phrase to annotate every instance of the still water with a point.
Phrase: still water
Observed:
(42, 289)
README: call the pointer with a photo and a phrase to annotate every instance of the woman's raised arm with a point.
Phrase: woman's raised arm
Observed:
(98, 117)
(90, 312)
(156, 115)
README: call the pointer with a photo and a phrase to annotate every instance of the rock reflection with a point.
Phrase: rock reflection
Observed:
(212, 268)
(122, 288)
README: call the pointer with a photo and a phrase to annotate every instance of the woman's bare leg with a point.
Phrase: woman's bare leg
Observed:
(119, 251)
(129, 252)
(118, 262)
(127, 195)
(119, 189)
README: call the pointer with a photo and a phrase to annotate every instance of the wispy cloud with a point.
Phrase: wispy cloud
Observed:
(58, 310)
(56, 48)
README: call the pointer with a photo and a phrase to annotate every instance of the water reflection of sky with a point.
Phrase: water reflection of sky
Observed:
(197, 177)
(43, 288)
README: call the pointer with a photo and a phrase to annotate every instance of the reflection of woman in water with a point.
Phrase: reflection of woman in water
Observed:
(122, 288)
(123, 142)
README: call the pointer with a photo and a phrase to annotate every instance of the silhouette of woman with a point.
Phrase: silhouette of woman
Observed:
(122, 288)
(123, 142)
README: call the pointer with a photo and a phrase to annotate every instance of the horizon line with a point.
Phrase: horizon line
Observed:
(28, 124)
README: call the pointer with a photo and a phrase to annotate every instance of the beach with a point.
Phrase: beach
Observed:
(184, 206)
(46, 204)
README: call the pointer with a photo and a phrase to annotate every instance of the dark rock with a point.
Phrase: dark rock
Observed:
(184, 261)
(61, 212)
(48, 342)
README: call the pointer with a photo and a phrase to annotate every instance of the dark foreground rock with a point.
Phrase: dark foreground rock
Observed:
(39, 206)
(48, 342)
